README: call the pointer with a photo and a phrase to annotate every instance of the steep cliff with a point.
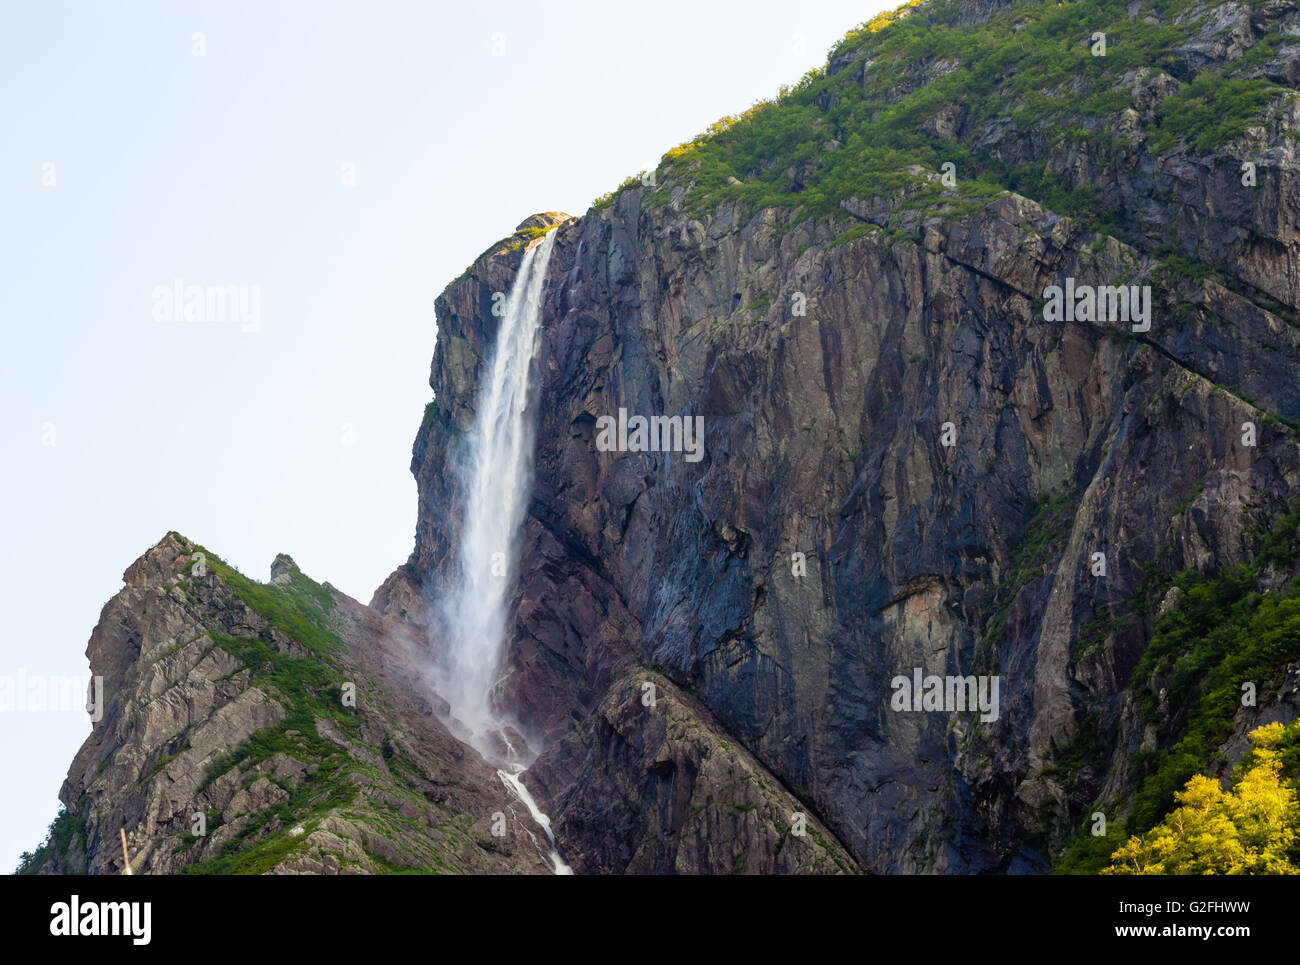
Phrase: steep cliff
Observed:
(807, 280)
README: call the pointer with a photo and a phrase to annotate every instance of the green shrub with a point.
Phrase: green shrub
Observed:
(66, 828)
(1031, 61)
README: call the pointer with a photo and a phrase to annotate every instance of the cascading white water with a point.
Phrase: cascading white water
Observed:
(496, 479)
(516, 787)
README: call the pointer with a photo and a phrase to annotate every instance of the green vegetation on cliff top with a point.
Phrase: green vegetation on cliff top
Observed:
(894, 85)
(300, 607)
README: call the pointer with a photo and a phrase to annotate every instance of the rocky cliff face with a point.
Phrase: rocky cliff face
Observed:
(828, 354)
(910, 464)
(229, 744)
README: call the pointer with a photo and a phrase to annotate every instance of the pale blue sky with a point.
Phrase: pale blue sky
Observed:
(227, 169)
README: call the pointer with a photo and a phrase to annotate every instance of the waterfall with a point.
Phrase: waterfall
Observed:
(496, 476)
(510, 778)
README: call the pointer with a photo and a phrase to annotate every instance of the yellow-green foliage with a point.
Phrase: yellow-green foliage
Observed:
(890, 81)
(1252, 828)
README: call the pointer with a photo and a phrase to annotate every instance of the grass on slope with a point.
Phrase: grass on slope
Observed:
(853, 130)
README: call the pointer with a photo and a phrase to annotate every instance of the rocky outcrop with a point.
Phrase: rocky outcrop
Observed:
(651, 784)
(280, 728)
